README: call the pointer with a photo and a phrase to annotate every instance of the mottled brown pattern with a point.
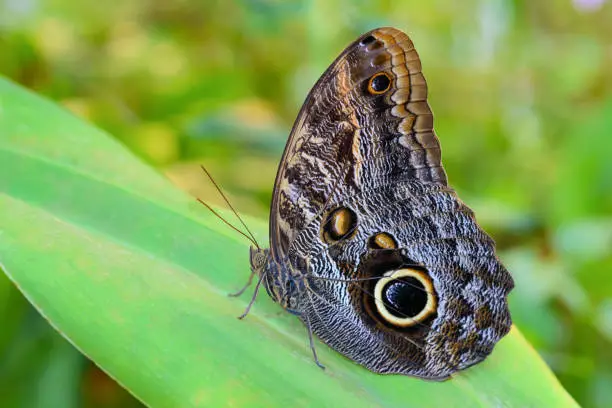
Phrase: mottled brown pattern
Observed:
(483, 317)
(450, 329)
(375, 155)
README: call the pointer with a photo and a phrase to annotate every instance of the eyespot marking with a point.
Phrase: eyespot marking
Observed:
(405, 297)
(379, 83)
(382, 240)
(339, 224)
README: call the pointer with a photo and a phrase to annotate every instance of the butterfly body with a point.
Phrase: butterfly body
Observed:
(369, 246)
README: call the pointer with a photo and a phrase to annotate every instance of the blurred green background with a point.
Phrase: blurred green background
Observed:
(521, 90)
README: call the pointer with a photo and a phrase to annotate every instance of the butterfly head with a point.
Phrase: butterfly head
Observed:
(258, 258)
(280, 284)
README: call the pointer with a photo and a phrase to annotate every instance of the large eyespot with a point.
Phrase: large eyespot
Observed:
(382, 240)
(339, 224)
(379, 83)
(405, 297)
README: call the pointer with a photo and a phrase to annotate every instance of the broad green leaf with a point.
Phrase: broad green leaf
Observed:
(135, 274)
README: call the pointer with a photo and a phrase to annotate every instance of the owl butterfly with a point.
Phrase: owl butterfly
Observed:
(369, 246)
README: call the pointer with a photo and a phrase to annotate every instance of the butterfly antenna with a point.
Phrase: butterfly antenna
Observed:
(226, 222)
(250, 235)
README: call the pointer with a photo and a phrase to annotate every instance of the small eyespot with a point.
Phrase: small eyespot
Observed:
(339, 224)
(382, 240)
(367, 40)
(379, 83)
(405, 297)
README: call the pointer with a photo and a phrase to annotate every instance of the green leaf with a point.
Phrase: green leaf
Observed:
(135, 274)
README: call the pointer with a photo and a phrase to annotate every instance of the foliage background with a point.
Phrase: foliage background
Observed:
(522, 93)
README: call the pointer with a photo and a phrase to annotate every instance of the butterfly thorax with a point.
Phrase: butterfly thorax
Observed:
(281, 281)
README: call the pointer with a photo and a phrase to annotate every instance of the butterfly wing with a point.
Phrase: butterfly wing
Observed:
(370, 245)
(344, 142)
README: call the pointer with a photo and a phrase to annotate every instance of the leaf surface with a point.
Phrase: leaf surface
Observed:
(135, 274)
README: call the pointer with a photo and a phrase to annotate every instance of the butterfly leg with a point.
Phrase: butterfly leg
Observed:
(310, 337)
(248, 308)
(309, 328)
(245, 287)
(312, 347)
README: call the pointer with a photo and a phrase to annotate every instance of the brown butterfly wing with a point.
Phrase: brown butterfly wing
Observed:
(371, 247)
(343, 143)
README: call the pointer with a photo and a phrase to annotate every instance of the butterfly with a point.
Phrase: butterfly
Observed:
(369, 245)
